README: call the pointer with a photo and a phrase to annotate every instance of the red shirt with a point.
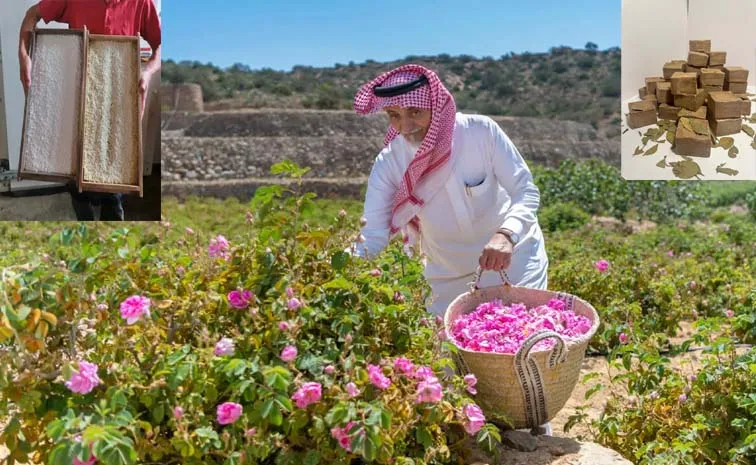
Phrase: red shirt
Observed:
(116, 17)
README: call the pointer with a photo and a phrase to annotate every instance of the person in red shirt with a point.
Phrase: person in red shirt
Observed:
(108, 17)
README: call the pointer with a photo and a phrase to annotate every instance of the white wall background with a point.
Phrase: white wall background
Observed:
(654, 33)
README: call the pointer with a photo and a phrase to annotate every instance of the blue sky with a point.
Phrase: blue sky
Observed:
(280, 35)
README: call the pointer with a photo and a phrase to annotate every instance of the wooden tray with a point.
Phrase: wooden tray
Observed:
(39, 96)
(110, 110)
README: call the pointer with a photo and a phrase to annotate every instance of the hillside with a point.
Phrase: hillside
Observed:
(569, 84)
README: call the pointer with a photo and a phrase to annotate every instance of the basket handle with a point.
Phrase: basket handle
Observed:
(475, 284)
(530, 378)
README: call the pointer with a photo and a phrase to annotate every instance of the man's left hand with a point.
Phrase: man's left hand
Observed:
(497, 254)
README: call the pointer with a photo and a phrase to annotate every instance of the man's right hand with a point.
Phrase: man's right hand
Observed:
(25, 64)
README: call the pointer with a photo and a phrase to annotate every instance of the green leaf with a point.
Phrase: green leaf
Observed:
(726, 142)
(652, 150)
(423, 436)
(312, 458)
(278, 378)
(727, 171)
(55, 429)
(158, 413)
(339, 260)
(594, 389)
(339, 283)
(207, 433)
(748, 130)
(732, 152)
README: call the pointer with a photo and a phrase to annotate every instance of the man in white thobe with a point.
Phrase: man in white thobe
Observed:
(454, 184)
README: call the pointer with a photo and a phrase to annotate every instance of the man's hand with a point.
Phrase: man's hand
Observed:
(144, 81)
(25, 64)
(497, 254)
(28, 24)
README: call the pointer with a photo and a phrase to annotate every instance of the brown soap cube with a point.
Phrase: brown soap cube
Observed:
(642, 92)
(745, 101)
(693, 69)
(717, 58)
(673, 67)
(735, 74)
(651, 84)
(711, 77)
(684, 83)
(698, 59)
(723, 105)
(638, 119)
(668, 112)
(690, 143)
(691, 102)
(736, 87)
(713, 88)
(652, 99)
(720, 67)
(664, 93)
(700, 46)
(643, 105)
(725, 127)
(698, 114)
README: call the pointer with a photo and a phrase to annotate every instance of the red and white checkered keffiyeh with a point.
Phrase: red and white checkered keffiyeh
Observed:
(429, 170)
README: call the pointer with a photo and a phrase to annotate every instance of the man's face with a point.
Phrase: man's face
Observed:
(411, 122)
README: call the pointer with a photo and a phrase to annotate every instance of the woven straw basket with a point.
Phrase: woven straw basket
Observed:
(529, 387)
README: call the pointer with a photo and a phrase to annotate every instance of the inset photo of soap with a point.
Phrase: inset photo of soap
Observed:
(688, 90)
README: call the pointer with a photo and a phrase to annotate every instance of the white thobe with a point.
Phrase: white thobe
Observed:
(490, 187)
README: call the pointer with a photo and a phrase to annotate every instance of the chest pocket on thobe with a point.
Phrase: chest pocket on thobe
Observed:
(481, 194)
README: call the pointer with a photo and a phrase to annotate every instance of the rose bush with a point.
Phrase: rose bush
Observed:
(274, 347)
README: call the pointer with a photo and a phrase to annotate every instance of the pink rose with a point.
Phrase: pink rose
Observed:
(602, 265)
(283, 326)
(293, 303)
(250, 432)
(375, 272)
(429, 390)
(377, 377)
(289, 292)
(308, 394)
(228, 412)
(288, 353)
(134, 308)
(329, 369)
(224, 347)
(670, 254)
(424, 372)
(178, 412)
(729, 313)
(84, 380)
(189, 230)
(239, 298)
(352, 390)
(218, 247)
(471, 381)
(475, 418)
(404, 366)
(623, 338)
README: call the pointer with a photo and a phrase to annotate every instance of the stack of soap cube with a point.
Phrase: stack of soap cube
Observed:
(701, 88)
